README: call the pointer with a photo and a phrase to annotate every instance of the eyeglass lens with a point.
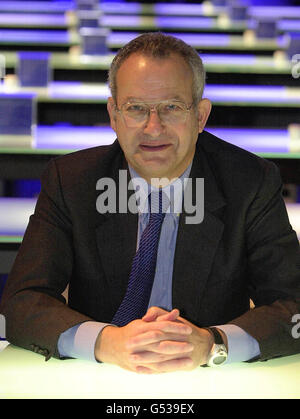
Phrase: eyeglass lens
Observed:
(168, 112)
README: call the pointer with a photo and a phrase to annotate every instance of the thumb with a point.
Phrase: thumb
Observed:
(159, 314)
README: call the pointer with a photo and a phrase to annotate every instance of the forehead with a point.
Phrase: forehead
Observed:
(148, 78)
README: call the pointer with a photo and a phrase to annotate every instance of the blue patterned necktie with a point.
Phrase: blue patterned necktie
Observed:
(136, 300)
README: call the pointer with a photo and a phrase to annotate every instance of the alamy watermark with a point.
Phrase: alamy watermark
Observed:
(296, 66)
(2, 327)
(186, 194)
(2, 67)
(296, 328)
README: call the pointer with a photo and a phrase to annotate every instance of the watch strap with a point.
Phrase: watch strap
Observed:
(218, 339)
(216, 334)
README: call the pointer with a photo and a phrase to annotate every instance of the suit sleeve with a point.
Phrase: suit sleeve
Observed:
(273, 270)
(34, 308)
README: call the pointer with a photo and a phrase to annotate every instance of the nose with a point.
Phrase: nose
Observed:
(153, 126)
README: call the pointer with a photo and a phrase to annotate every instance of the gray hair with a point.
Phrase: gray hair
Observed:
(159, 45)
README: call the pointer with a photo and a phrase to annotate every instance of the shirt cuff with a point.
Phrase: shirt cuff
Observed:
(241, 346)
(79, 341)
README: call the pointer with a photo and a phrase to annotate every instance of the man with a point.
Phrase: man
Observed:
(206, 272)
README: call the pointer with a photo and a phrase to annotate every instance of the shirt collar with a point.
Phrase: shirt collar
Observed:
(174, 191)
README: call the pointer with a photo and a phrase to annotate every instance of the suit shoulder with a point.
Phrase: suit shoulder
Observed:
(86, 161)
(237, 171)
(88, 156)
(232, 157)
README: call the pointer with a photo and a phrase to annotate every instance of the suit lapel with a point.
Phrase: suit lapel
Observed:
(197, 243)
(116, 233)
(116, 239)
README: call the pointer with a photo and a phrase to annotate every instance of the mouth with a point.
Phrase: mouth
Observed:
(154, 147)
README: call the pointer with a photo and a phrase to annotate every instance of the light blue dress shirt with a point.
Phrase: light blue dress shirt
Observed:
(79, 341)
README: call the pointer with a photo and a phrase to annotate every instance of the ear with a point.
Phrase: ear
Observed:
(112, 112)
(204, 108)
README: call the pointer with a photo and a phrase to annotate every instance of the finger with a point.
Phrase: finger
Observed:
(171, 316)
(177, 364)
(171, 327)
(170, 351)
(144, 358)
(165, 348)
(154, 336)
(164, 326)
(166, 366)
(152, 314)
(144, 370)
(171, 347)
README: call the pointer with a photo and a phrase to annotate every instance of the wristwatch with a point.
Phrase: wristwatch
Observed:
(218, 353)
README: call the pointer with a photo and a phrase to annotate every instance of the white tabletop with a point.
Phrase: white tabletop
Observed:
(25, 374)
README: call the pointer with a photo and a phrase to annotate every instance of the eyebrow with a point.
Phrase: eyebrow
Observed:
(135, 99)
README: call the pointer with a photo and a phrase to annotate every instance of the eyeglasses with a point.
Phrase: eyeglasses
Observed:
(169, 112)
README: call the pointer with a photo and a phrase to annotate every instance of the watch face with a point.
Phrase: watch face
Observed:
(218, 356)
(219, 359)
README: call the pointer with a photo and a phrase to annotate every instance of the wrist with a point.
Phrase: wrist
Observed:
(219, 351)
(209, 344)
(103, 344)
(224, 337)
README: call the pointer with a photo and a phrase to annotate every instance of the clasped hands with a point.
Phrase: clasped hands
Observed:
(159, 342)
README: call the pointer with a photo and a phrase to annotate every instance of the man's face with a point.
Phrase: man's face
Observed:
(156, 149)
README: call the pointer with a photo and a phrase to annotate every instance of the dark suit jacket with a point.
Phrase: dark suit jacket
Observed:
(244, 248)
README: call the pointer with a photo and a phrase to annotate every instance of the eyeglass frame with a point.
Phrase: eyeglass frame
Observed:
(154, 106)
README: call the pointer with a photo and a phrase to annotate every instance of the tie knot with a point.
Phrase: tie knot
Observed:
(158, 202)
